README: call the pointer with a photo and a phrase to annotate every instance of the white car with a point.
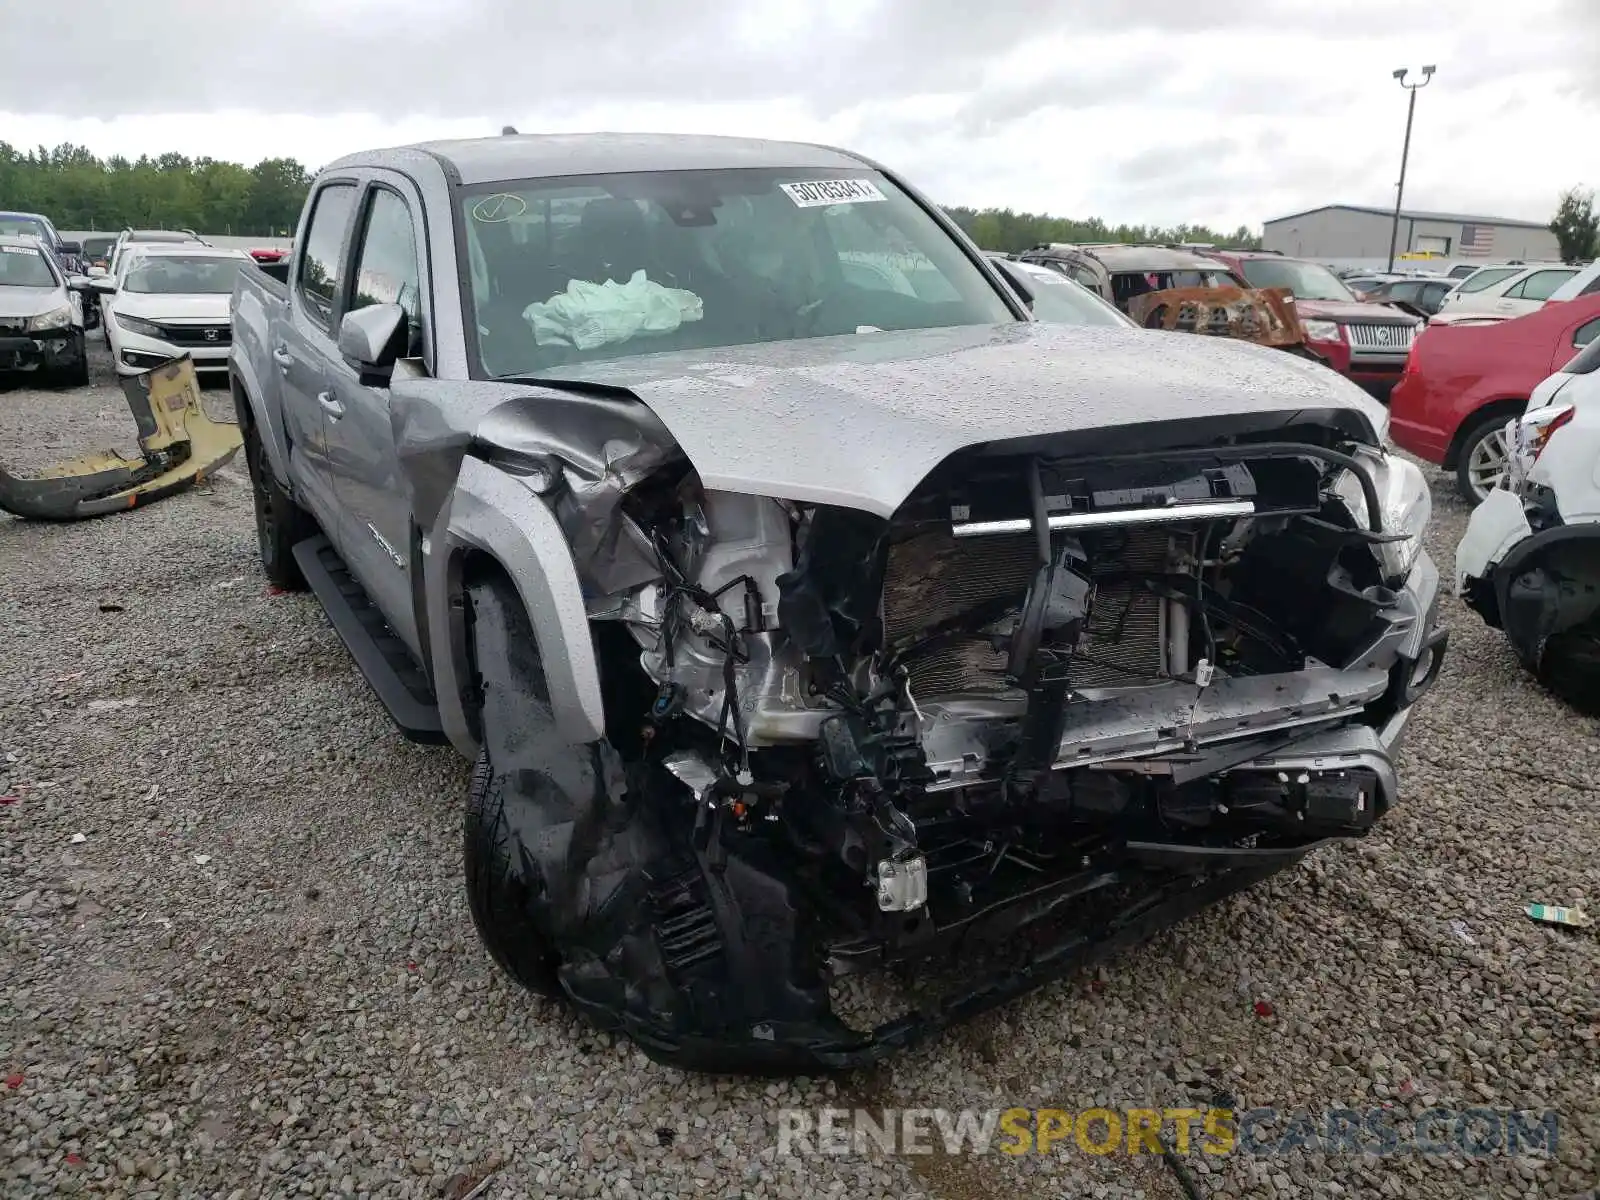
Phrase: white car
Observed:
(170, 300)
(1530, 560)
(130, 238)
(1519, 292)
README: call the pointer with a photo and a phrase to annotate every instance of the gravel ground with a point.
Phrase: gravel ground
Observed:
(235, 959)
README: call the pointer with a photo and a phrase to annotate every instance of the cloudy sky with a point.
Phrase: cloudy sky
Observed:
(1156, 111)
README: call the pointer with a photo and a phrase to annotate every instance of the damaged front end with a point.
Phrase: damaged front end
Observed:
(1265, 316)
(1049, 705)
(179, 446)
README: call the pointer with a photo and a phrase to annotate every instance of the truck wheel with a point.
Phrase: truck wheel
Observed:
(280, 522)
(499, 888)
(1483, 458)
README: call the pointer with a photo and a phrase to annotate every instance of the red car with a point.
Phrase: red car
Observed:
(1462, 383)
(268, 255)
(1366, 342)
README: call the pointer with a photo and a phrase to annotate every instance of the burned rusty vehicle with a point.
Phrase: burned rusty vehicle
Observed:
(179, 447)
(1176, 288)
(805, 605)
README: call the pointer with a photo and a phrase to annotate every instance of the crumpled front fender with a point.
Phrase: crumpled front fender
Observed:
(491, 512)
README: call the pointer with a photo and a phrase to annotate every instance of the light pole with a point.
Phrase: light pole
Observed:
(1405, 153)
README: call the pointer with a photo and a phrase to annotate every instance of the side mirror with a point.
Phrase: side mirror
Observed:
(69, 247)
(371, 339)
(98, 272)
(102, 283)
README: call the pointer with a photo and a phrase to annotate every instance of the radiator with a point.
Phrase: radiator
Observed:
(934, 577)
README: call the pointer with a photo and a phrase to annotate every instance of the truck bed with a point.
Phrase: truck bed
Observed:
(272, 278)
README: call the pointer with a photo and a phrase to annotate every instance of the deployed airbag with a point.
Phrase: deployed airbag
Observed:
(589, 315)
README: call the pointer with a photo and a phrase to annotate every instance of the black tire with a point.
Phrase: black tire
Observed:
(1570, 668)
(1468, 465)
(280, 522)
(77, 375)
(498, 889)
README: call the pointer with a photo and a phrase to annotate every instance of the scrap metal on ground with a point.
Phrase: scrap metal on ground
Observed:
(179, 446)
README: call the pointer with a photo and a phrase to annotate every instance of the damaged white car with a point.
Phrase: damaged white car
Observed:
(1529, 563)
(806, 605)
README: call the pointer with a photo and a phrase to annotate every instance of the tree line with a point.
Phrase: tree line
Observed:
(1007, 231)
(79, 191)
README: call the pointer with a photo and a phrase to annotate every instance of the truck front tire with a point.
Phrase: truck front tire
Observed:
(499, 888)
(509, 800)
(280, 522)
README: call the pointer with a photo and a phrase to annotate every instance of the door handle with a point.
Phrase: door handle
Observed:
(283, 358)
(330, 404)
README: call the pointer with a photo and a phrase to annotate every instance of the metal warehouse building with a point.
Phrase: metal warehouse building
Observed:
(1353, 233)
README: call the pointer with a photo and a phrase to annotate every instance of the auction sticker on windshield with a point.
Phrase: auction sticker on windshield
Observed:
(816, 193)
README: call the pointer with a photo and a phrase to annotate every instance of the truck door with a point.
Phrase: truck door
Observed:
(384, 270)
(302, 346)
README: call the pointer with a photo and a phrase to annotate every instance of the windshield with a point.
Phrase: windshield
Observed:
(1486, 278)
(23, 266)
(702, 259)
(1060, 301)
(1307, 281)
(15, 226)
(182, 275)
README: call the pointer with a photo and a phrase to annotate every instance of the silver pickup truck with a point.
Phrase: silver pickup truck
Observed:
(806, 605)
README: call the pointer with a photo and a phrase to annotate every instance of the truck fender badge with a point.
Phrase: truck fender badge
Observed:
(387, 549)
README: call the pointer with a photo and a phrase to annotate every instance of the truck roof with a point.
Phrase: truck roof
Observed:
(543, 156)
(1121, 256)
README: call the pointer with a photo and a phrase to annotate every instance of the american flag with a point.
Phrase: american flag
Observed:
(1477, 241)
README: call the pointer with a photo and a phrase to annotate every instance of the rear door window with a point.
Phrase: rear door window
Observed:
(321, 266)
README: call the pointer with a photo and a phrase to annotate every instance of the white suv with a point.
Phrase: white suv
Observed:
(1518, 292)
(1530, 561)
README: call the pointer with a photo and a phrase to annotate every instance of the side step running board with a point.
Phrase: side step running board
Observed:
(383, 658)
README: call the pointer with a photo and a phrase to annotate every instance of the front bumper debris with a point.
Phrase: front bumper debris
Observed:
(179, 446)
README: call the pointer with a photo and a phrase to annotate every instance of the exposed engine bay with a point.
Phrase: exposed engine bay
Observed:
(1047, 700)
